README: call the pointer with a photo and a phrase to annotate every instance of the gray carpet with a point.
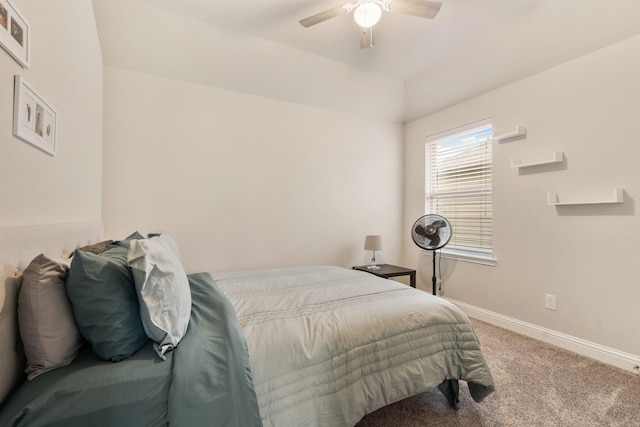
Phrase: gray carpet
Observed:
(537, 385)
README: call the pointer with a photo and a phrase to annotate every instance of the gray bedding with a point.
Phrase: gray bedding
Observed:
(329, 345)
(206, 380)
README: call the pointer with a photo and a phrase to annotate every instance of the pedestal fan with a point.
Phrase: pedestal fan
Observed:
(431, 232)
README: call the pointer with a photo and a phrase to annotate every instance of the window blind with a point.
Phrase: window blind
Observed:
(459, 169)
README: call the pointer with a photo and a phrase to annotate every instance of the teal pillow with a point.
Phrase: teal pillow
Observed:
(104, 302)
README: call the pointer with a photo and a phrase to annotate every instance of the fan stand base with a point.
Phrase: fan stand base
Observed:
(433, 278)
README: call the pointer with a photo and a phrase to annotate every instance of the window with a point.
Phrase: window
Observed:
(458, 186)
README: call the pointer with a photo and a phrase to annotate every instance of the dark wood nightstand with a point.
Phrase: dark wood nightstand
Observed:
(388, 270)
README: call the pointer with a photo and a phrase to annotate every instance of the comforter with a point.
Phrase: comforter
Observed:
(328, 345)
(206, 380)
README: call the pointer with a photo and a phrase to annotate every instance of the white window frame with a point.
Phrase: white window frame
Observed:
(477, 255)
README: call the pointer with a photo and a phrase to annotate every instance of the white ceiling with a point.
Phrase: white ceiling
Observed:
(505, 40)
(404, 44)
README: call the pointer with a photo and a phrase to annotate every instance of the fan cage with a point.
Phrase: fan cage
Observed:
(424, 242)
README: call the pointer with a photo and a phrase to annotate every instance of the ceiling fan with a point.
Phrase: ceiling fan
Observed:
(367, 13)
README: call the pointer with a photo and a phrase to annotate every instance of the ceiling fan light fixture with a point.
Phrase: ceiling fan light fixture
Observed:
(367, 14)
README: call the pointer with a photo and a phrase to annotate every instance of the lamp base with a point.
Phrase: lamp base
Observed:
(373, 267)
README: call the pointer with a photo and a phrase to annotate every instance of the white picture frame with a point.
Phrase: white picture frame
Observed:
(15, 33)
(34, 119)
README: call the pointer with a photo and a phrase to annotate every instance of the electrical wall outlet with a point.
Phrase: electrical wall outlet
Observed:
(549, 302)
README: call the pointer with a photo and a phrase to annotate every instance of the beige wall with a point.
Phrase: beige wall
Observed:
(66, 69)
(243, 181)
(585, 255)
(251, 153)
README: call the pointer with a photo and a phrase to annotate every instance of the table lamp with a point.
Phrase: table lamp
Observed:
(373, 243)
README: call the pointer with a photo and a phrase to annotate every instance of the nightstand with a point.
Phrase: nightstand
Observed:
(387, 270)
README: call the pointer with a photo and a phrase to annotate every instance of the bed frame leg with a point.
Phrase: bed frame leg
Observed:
(451, 390)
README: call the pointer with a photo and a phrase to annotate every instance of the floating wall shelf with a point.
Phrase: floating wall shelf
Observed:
(520, 131)
(558, 157)
(618, 197)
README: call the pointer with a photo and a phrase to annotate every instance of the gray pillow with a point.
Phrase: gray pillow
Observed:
(47, 327)
(105, 304)
(163, 290)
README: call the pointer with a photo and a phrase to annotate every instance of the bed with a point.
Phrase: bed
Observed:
(303, 346)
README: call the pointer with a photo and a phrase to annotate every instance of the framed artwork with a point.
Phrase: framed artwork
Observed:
(34, 119)
(15, 33)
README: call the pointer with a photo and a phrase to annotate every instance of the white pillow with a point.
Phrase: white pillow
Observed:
(163, 291)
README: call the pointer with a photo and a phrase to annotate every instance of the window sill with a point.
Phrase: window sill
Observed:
(467, 257)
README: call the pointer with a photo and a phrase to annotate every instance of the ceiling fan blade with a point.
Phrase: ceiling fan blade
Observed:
(366, 38)
(422, 8)
(323, 16)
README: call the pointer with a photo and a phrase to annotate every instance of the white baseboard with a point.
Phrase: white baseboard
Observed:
(626, 361)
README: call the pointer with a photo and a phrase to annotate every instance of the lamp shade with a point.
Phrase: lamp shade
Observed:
(367, 15)
(372, 243)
